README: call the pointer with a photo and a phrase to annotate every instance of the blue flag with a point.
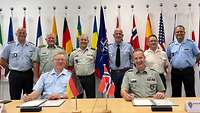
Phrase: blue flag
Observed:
(79, 32)
(102, 48)
(10, 31)
(39, 40)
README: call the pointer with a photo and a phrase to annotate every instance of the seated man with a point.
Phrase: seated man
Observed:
(52, 85)
(141, 81)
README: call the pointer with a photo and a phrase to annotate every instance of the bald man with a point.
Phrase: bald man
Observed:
(120, 54)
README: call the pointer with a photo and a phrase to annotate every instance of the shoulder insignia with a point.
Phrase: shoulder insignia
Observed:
(31, 43)
(59, 47)
(93, 49)
(74, 50)
(171, 42)
(41, 46)
(130, 70)
(11, 42)
(189, 40)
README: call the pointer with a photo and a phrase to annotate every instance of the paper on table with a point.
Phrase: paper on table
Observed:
(53, 103)
(163, 102)
(142, 102)
(32, 103)
(149, 102)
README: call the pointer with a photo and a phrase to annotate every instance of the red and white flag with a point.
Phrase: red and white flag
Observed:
(134, 40)
(106, 85)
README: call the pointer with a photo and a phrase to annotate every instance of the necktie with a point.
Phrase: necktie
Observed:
(117, 61)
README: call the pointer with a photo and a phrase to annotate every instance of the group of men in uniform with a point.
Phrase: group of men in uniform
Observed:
(134, 73)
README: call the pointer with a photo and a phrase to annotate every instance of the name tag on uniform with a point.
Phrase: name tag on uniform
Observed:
(133, 81)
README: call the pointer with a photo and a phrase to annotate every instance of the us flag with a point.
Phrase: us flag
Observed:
(161, 35)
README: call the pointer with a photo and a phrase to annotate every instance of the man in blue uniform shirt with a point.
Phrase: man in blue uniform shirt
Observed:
(17, 56)
(183, 54)
(120, 54)
(52, 85)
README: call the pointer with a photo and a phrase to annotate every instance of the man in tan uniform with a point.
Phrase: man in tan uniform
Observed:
(141, 81)
(83, 60)
(44, 54)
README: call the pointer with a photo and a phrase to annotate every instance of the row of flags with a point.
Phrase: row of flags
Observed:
(134, 40)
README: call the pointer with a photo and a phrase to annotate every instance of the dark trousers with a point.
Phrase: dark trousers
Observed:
(19, 81)
(162, 76)
(88, 84)
(187, 77)
(117, 77)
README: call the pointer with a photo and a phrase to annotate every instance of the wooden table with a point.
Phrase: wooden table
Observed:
(116, 105)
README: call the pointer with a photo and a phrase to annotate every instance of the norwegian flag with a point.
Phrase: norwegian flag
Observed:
(161, 35)
(106, 85)
(134, 40)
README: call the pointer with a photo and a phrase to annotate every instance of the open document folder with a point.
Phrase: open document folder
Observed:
(149, 102)
(43, 103)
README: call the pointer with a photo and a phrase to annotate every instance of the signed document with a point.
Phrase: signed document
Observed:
(149, 102)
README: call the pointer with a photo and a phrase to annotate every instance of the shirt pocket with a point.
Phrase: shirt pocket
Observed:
(44, 56)
(152, 85)
(48, 84)
(132, 85)
(15, 55)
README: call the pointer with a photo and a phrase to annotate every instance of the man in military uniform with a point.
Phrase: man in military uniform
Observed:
(83, 60)
(17, 56)
(43, 56)
(156, 58)
(52, 85)
(141, 81)
(183, 54)
(120, 54)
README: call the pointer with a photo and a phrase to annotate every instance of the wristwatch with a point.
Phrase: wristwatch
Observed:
(61, 97)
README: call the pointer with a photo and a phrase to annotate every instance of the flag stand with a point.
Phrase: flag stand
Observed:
(76, 110)
(106, 110)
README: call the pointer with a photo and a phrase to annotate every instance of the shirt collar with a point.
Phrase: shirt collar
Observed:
(121, 43)
(142, 72)
(157, 50)
(17, 43)
(64, 72)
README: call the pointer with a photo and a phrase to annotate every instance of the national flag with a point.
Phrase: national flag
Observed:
(199, 35)
(54, 30)
(79, 32)
(148, 32)
(95, 34)
(174, 27)
(118, 23)
(134, 40)
(24, 22)
(10, 31)
(191, 27)
(1, 38)
(74, 87)
(106, 85)
(67, 42)
(161, 35)
(102, 48)
(39, 40)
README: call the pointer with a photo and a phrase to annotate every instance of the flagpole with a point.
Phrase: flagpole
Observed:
(106, 110)
(76, 106)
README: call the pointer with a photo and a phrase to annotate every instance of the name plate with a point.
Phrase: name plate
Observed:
(193, 106)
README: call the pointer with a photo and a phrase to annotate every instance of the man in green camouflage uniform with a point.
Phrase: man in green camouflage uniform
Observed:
(43, 56)
(141, 81)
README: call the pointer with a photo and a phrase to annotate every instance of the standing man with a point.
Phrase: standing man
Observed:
(156, 58)
(183, 54)
(141, 82)
(17, 56)
(120, 54)
(52, 85)
(83, 60)
(42, 58)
